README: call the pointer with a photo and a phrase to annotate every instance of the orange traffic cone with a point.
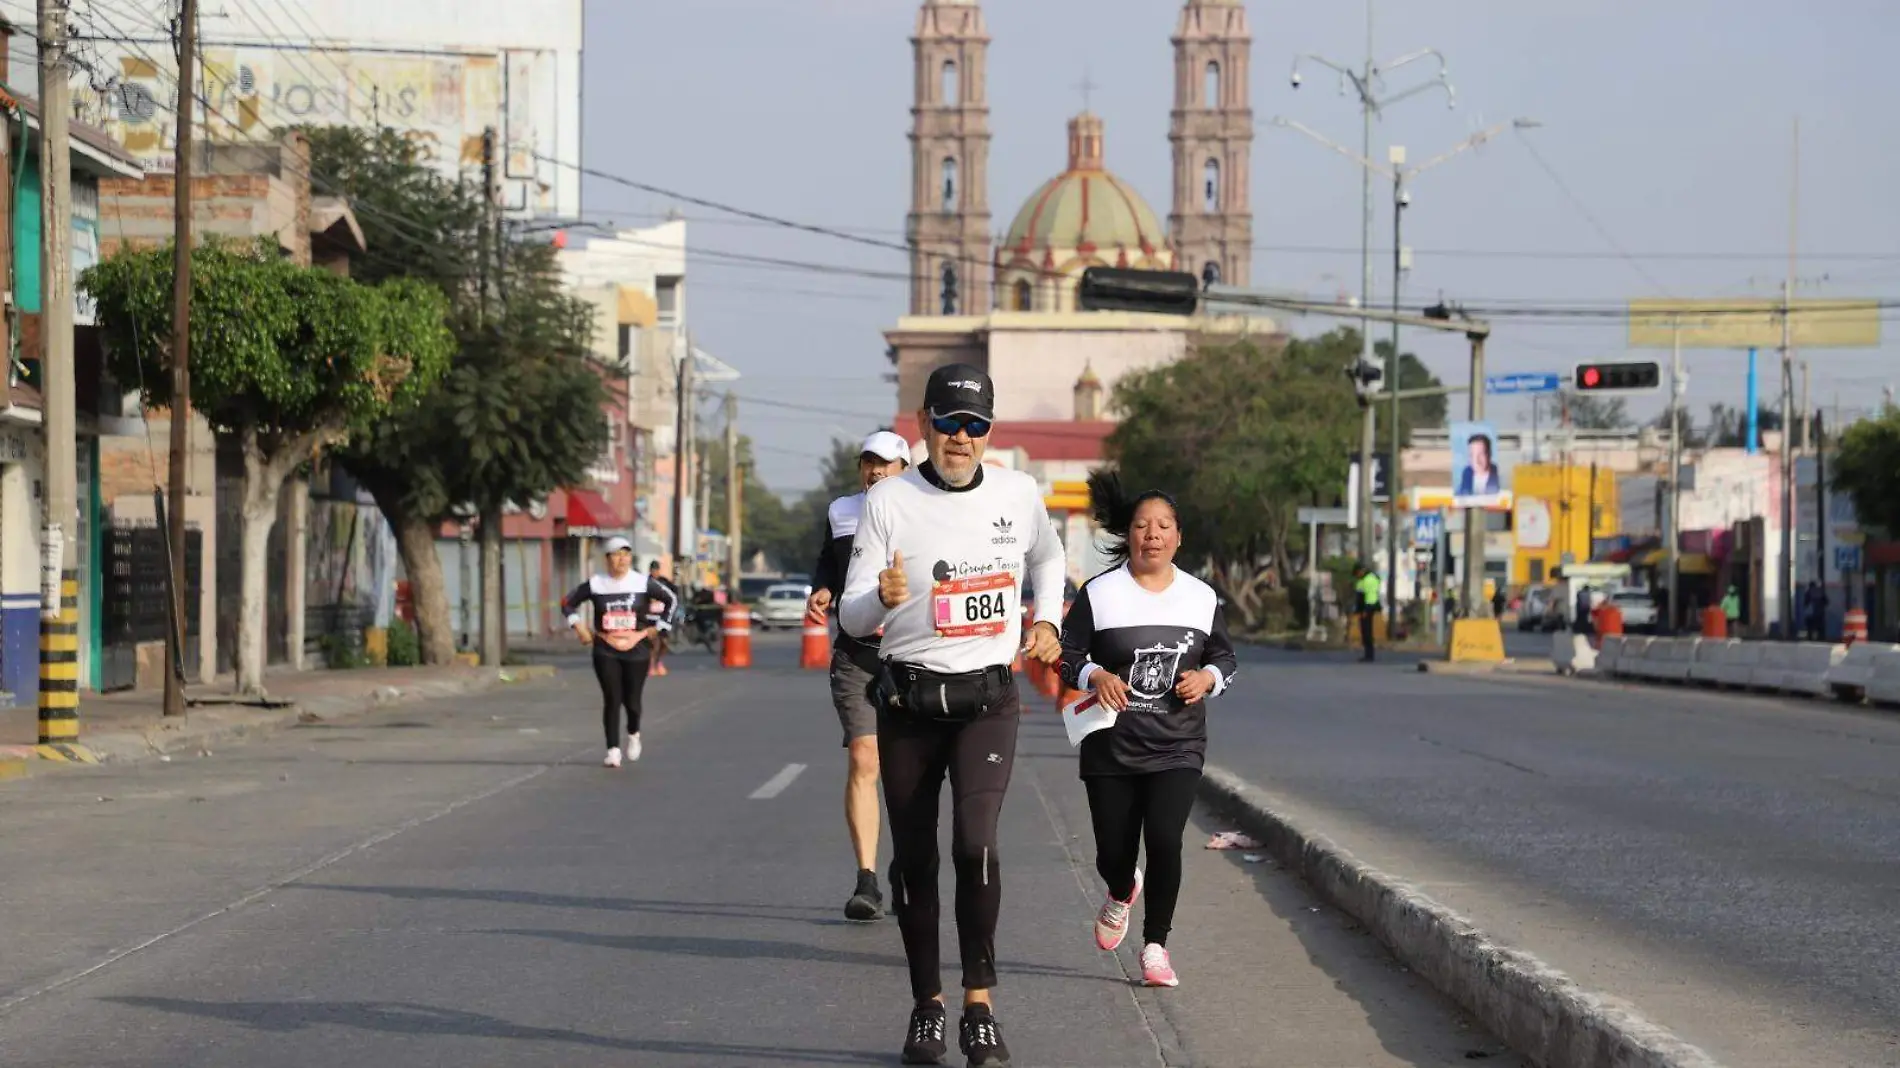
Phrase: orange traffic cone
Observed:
(816, 653)
(737, 630)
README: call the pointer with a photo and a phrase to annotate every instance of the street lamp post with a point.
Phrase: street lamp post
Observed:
(1366, 83)
(1401, 200)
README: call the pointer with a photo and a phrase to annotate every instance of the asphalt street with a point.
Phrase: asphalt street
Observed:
(460, 883)
(1730, 865)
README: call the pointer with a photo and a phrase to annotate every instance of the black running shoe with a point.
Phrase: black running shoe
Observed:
(866, 903)
(982, 1038)
(924, 1043)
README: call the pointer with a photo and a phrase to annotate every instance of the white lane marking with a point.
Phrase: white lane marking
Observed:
(776, 785)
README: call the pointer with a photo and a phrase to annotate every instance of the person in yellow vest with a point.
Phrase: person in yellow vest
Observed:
(1366, 585)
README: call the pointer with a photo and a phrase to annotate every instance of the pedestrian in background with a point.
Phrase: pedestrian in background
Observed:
(1366, 585)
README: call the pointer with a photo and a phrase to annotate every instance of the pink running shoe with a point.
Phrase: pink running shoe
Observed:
(1111, 924)
(1156, 968)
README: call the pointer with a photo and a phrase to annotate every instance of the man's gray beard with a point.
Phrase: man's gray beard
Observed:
(958, 481)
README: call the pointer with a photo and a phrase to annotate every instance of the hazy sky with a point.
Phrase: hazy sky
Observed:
(1668, 121)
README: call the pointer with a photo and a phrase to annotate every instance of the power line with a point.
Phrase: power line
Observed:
(1585, 211)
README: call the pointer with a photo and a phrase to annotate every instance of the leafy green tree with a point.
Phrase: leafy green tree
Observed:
(1866, 467)
(519, 414)
(1590, 412)
(1418, 411)
(285, 360)
(1242, 437)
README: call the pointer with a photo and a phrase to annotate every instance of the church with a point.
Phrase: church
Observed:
(1008, 304)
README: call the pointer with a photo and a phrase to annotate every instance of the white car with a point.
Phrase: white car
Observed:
(1638, 608)
(783, 605)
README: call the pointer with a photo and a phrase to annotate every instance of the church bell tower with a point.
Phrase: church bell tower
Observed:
(1211, 226)
(949, 223)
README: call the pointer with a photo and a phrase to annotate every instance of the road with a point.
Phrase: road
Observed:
(1730, 865)
(461, 884)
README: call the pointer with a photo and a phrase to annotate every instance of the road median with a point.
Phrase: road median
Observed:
(1532, 1007)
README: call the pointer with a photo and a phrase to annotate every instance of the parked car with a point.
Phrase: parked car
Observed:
(783, 605)
(1638, 608)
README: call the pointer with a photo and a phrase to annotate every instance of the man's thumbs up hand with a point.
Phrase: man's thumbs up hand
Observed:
(892, 588)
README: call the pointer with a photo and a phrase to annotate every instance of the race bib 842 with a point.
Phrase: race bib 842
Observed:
(982, 606)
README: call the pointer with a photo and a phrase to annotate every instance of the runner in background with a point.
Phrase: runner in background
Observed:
(854, 668)
(1150, 640)
(622, 637)
(660, 644)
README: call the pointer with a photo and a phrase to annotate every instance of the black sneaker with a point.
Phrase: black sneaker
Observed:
(924, 1043)
(981, 1038)
(866, 903)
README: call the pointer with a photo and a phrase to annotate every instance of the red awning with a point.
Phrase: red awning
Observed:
(589, 513)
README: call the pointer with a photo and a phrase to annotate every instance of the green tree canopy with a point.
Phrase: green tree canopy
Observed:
(1866, 467)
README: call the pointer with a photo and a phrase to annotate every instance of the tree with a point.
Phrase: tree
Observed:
(1242, 437)
(1591, 412)
(1413, 374)
(519, 414)
(1866, 467)
(284, 361)
(767, 525)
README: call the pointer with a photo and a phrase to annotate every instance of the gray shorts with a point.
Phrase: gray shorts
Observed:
(851, 682)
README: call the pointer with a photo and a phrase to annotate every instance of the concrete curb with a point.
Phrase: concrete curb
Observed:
(206, 728)
(1530, 1006)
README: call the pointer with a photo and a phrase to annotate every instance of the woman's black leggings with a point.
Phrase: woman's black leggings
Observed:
(622, 681)
(913, 758)
(1128, 810)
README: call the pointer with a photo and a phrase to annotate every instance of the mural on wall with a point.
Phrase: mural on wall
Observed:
(440, 101)
(350, 566)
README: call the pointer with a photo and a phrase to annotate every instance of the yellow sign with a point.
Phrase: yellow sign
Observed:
(1754, 323)
(1476, 641)
(1431, 500)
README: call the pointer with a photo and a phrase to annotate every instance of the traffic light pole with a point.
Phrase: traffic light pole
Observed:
(1677, 384)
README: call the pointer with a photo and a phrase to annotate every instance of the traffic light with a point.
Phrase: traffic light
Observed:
(1366, 376)
(1617, 377)
(1125, 289)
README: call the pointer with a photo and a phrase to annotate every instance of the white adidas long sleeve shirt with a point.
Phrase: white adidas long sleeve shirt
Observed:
(966, 555)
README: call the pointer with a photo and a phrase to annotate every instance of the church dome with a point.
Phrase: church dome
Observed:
(1085, 208)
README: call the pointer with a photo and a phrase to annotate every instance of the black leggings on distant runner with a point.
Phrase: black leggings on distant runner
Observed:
(622, 681)
(1128, 810)
(914, 756)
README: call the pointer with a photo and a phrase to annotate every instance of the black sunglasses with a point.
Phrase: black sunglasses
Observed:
(949, 425)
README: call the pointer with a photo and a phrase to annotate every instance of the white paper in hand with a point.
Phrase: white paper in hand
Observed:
(1084, 717)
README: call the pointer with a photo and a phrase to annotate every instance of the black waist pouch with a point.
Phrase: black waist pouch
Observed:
(918, 693)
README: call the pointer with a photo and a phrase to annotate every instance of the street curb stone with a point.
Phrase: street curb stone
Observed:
(202, 731)
(1530, 1006)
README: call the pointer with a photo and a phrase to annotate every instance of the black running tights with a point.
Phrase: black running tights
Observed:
(914, 757)
(1127, 811)
(622, 681)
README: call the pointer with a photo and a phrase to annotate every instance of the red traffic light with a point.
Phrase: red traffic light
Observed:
(1591, 378)
(1617, 377)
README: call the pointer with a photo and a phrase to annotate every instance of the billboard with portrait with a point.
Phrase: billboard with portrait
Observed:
(1477, 479)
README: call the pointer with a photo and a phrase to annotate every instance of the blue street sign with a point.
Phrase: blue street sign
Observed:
(1425, 530)
(1524, 383)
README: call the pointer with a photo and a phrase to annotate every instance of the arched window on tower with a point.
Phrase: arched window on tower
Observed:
(1212, 204)
(1210, 274)
(952, 88)
(1211, 91)
(1025, 295)
(949, 289)
(949, 183)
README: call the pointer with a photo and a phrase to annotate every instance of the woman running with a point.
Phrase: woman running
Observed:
(626, 624)
(1150, 641)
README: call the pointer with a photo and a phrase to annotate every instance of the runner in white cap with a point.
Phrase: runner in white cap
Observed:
(854, 668)
(622, 637)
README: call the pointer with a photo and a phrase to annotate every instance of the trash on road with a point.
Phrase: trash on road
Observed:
(1253, 858)
(1234, 840)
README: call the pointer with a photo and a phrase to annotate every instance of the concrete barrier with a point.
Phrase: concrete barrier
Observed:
(1682, 654)
(1883, 683)
(1848, 680)
(1808, 667)
(1629, 659)
(1773, 661)
(1709, 658)
(1571, 653)
(1530, 1006)
(1610, 654)
(1738, 664)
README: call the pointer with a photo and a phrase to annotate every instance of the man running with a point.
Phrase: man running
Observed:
(623, 635)
(939, 562)
(854, 668)
(658, 582)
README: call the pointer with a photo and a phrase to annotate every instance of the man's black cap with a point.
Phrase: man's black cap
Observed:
(960, 389)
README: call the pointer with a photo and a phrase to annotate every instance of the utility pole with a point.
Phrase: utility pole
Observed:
(494, 628)
(735, 492)
(1476, 607)
(179, 461)
(1785, 566)
(1364, 80)
(1672, 530)
(1396, 156)
(682, 459)
(59, 575)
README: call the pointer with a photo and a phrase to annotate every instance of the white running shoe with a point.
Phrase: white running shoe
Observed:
(1111, 924)
(613, 757)
(1156, 968)
(634, 747)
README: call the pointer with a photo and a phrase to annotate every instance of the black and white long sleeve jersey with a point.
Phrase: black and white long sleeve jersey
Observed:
(834, 563)
(623, 607)
(967, 552)
(1148, 639)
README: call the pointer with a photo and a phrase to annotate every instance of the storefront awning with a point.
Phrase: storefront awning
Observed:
(1686, 563)
(588, 514)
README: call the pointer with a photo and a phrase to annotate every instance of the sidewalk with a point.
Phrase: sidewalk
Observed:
(131, 725)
